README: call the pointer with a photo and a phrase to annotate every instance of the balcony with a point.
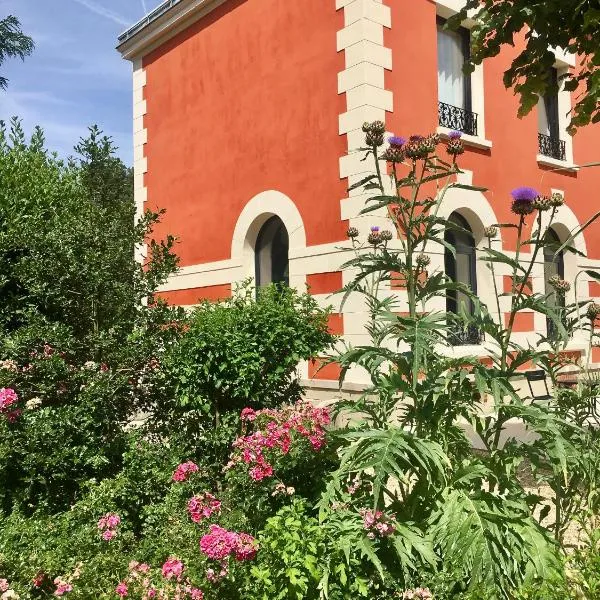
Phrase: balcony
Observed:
(552, 147)
(457, 118)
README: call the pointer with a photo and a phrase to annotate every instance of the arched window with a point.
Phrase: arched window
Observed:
(462, 268)
(554, 265)
(271, 254)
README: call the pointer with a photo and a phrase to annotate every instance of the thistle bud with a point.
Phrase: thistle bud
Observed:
(386, 235)
(560, 285)
(593, 310)
(374, 238)
(352, 232)
(455, 147)
(378, 127)
(393, 155)
(491, 231)
(423, 260)
(374, 138)
(542, 203)
(556, 200)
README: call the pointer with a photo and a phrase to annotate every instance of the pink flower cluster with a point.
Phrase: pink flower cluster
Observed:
(108, 526)
(145, 584)
(203, 506)
(215, 577)
(275, 432)
(183, 470)
(4, 585)
(377, 523)
(172, 569)
(62, 587)
(220, 543)
(8, 401)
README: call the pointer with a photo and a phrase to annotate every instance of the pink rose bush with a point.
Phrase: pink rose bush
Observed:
(166, 583)
(108, 525)
(276, 431)
(203, 506)
(8, 405)
(182, 472)
(220, 543)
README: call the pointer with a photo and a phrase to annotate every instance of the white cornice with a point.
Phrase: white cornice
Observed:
(166, 26)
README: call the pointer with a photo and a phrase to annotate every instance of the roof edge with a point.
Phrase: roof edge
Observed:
(160, 25)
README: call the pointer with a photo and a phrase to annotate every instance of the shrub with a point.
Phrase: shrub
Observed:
(242, 352)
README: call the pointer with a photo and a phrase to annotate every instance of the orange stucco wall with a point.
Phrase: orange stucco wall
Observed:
(244, 101)
(511, 162)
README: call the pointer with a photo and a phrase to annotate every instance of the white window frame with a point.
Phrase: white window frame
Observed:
(446, 9)
(563, 63)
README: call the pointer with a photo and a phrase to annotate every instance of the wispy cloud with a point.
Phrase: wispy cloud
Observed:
(103, 12)
(144, 7)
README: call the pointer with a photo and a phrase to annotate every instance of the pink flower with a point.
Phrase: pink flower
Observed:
(248, 414)
(196, 594)
(4, 585)
(108, 535)
(377, 524)
(246, 548)
(62, 587)
(8, 397)
(173, 567)
(121, 589)
(218, 543)
(203, 506)
(181, 472)
(109, 521)
(112, 520)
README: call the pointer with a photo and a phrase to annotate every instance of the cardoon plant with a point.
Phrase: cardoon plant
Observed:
(458, 512)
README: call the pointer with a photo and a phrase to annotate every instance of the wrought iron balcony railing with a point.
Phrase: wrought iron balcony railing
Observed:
(457, 118)
(551, 146)
(464, 336)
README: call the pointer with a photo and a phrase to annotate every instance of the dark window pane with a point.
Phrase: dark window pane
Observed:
(271, 254)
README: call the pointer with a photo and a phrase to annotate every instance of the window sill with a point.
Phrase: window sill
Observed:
(547, 161)
(468, 140)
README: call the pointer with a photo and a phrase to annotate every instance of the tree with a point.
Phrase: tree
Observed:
(572, 25)
(13, 43)
(67, 238)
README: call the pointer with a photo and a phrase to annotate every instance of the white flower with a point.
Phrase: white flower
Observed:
(9, 365)
(33, 403)
(90, 364)
(10, 595)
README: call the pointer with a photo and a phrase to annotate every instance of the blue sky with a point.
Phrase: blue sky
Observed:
(75, 77)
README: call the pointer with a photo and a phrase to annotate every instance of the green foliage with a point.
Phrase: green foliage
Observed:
(462, 514)
(241, 352)
(545, 24)
(67, 237)
(13, 43)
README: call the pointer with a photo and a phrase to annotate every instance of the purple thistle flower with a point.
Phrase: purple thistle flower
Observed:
(455, 135)
(374, 229)
(524, 194)
(396, 141)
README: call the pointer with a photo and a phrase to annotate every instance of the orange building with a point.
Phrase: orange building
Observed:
(247, 116)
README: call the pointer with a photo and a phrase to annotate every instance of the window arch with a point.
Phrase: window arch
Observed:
(461, 267)
(554, 265)
(271, 254)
